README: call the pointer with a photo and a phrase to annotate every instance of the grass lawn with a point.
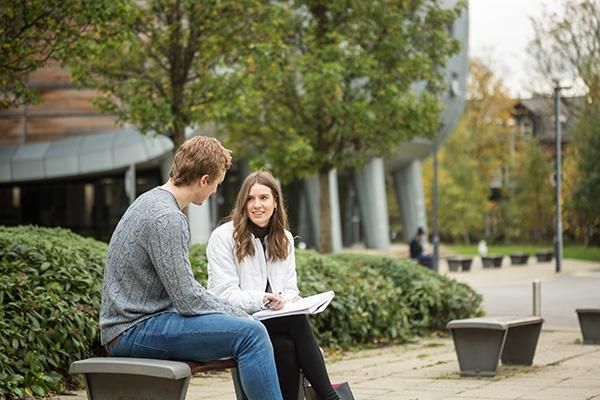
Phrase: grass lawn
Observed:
(576, 252)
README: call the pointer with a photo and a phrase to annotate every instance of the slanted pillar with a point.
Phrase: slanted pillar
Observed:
(370, 184)
(408, 186)
(312, 211)
(130, 183)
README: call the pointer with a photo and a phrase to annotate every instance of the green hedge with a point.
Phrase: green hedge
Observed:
(50, 288)
(432, 299)
(378, 299)
(51, 281)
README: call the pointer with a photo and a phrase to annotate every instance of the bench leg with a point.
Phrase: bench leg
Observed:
(478, 350)
(239, 391)
(104, 386)
(237, 385)
(520, 344)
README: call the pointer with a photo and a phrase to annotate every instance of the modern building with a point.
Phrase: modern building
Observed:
(63, 164)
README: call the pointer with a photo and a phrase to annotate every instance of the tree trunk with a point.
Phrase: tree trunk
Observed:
(325, 245)
(177, 136)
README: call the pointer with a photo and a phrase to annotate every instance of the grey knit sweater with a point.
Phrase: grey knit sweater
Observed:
(147, 270)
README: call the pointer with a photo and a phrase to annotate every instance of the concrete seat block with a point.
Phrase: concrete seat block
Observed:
(481, 342)
(589, 322)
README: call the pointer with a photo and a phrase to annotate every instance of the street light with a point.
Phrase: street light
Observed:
(436, 232)
(558, 244)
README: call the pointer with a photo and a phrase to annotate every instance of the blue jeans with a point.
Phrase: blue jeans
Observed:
(173, 336)
(425, 260)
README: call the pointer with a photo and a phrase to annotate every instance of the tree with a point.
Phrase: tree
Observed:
(35, 31)
(477, 152)
(586, 187)
(530, 208)
(568, 44)
(464, 192)
(342, 90)
(166, 63)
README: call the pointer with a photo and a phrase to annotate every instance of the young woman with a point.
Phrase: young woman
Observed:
(251, 265)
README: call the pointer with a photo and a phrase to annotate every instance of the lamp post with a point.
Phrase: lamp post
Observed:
(558, 243)
(436, 233)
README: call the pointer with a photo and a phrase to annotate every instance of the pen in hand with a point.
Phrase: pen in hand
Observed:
(272, 301)
(266, 304)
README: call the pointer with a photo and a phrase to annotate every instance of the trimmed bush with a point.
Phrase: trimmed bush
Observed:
(378, 299)
(50, 289)
(433, 299)
(364, 311)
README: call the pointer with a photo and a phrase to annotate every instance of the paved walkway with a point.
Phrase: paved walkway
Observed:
(428, 370)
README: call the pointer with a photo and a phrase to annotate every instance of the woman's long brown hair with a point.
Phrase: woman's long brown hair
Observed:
(276, 241)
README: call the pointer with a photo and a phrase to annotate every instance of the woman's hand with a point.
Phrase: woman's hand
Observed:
(273, 301)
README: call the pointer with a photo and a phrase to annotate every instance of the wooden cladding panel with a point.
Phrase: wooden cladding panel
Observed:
(46, 128)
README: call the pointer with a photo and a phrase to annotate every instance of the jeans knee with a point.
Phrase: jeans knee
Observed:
(256, 332)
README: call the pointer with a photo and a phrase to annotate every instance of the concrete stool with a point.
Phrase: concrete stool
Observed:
(589, 322)
(481, 342)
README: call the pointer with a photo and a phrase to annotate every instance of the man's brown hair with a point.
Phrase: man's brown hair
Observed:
(199, 156)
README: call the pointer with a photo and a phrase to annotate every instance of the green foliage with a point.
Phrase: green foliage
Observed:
(472, 158)
(50, 289)
(569, 251)
(586, 190)
(530, 208)
(34, 31)
(164, 65)
(432, 300)
(339, 91)
(378, 299)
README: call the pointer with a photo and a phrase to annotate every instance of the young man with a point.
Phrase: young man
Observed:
(152, 306)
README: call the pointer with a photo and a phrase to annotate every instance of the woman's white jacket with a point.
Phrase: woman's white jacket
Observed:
(243, 284)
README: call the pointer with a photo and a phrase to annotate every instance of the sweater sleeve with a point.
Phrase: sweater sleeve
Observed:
(168, 247)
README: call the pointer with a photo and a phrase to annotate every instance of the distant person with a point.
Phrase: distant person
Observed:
(251, 265)
(417, 252)
(482, 248)
(152, 307)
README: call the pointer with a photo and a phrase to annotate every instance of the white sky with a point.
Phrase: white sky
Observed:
(499, 32)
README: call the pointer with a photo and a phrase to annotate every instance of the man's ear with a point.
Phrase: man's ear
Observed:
(204, 180)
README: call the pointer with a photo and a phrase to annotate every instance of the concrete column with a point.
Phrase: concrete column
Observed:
(311, 187)
(370, 184)
(201, 221)
(130, 183)
(165, 166)
(336, 225)
(408, 185)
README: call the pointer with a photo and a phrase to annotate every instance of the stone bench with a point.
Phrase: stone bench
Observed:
(589, 322)
(481, 342)
(491, 261)
(519, 259)
(464, 263)
(108, 378)
(544, 255)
